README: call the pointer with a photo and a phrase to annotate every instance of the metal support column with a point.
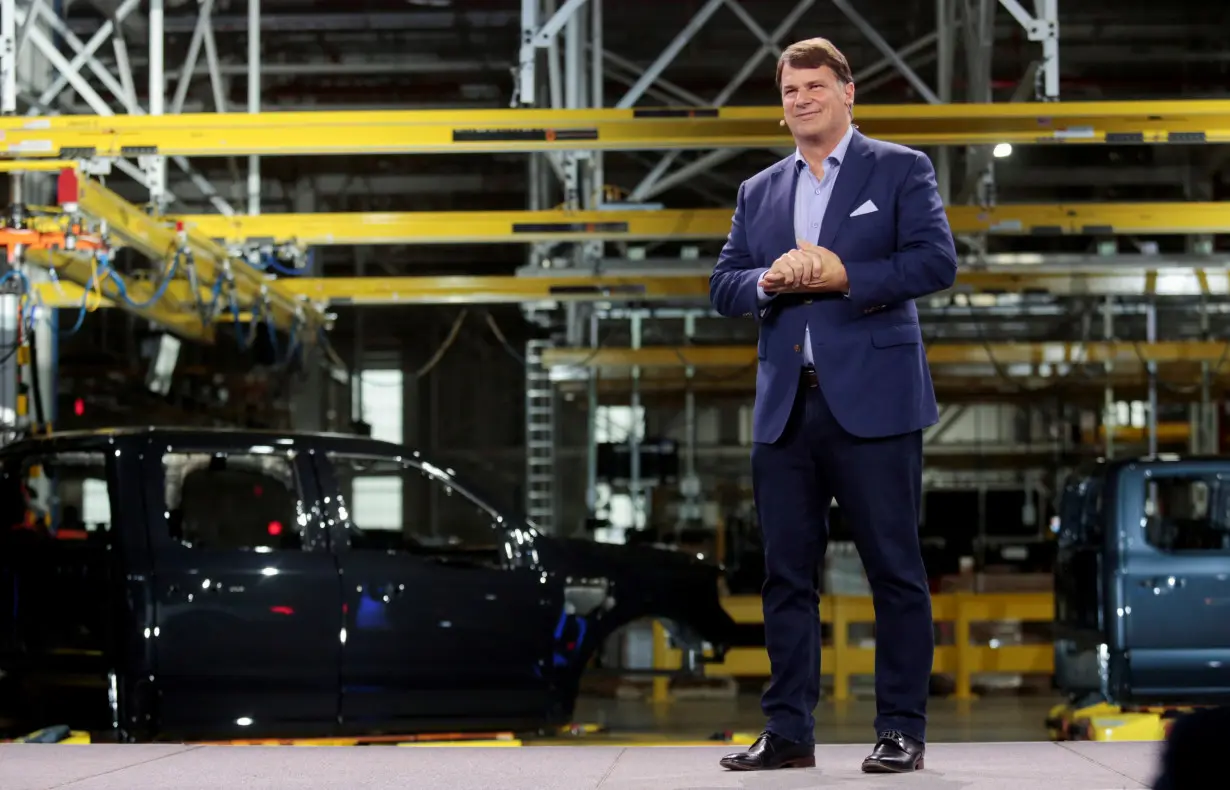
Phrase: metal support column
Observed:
(1043, 28)
(254, 99)
(155, 167)
(634, 431)
(689, 511)
(539, 438)
(945, 44)
(1109, 411)
(1151, 337)
(591, 415)
(527, 58)
(8, 57)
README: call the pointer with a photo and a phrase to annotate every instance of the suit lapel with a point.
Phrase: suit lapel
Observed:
(781, 212)
(851, 178)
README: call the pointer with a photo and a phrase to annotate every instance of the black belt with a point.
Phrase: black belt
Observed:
(809, 377)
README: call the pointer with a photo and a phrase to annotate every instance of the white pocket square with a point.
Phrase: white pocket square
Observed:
(866, 208)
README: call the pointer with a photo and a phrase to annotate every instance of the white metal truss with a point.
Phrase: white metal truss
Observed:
(35, 22)
(1043, 27)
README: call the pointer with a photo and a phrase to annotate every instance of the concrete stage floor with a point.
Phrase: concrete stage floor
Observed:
(950, 766)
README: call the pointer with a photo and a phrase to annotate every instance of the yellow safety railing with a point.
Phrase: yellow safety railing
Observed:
(841, 660)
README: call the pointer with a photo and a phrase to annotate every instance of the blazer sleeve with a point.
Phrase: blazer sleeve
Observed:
(926, 258)
(733, 289)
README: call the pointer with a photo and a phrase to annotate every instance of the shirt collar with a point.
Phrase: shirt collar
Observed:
(838, 154)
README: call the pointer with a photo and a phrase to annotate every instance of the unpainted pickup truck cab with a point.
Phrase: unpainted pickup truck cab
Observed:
(1142, 583)
(171, 584)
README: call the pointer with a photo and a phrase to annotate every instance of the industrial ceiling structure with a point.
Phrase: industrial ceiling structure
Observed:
(580, 158)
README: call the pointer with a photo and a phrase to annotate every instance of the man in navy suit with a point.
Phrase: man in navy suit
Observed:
(827, 251)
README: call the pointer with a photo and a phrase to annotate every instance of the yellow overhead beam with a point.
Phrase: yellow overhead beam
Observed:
(953, 384)
(477, 227)
(582, 287)
(478, 290)
(159, 239)
(938, 353)
(462, 227)
(459, 131)
(336, 291)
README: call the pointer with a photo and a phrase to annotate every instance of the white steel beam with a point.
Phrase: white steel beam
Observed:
(254, 99)
(70, 68)
(1043, 28)
(887, 51)
(678, 93)
(553, 25)
(768, 46)
(672, 50)
(155, 167)
(204, 18)
(527, 56)
(123, 64)
(8, 57)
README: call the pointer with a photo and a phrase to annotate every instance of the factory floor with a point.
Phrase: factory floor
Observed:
(998, 741)
(999, 766)
(1003, 717)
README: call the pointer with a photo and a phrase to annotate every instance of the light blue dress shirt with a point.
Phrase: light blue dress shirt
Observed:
(811, 198)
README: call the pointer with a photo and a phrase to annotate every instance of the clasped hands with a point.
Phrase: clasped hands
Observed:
(808, 268)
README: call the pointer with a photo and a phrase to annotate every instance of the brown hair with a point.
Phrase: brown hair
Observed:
(813, 53)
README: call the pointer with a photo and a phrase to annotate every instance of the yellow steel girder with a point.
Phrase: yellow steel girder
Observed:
(953, 384)
(476, 227)
(938, 353)
(372, 291)
(458, 131)
(159, 239)
(690, 287)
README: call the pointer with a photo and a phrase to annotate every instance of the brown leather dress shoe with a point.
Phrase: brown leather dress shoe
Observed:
(770, 752)
(895, 753)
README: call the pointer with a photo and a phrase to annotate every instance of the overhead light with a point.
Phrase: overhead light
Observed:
(1002, 150)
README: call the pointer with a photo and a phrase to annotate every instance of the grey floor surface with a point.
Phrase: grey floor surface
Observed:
(955, 766)
(990, 718)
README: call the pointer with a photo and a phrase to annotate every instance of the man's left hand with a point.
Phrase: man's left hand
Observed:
(829, 273)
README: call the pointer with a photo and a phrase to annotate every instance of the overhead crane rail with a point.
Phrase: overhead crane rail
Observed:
(484, 227)
(198, 278)
(646, 128)
(939, 353)
(693, 286)
(212, 264)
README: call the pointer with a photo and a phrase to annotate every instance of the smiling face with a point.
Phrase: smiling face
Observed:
(815, 103)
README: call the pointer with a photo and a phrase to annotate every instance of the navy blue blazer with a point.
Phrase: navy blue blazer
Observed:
(867, 347)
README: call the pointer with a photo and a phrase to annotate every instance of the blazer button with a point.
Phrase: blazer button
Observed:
(797, 348)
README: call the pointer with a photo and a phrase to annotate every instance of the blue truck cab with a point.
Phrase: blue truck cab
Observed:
(1142, 583)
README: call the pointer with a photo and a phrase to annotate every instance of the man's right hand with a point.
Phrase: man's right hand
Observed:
(793, 269)
(786, 272)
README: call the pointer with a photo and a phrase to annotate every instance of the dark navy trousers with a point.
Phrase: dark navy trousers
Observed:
(878, 485)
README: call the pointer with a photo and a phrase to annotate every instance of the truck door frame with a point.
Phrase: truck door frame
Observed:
(484, 663)
(296, 591)
(1168, 598)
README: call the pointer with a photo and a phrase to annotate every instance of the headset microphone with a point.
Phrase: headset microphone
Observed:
(782, 122)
